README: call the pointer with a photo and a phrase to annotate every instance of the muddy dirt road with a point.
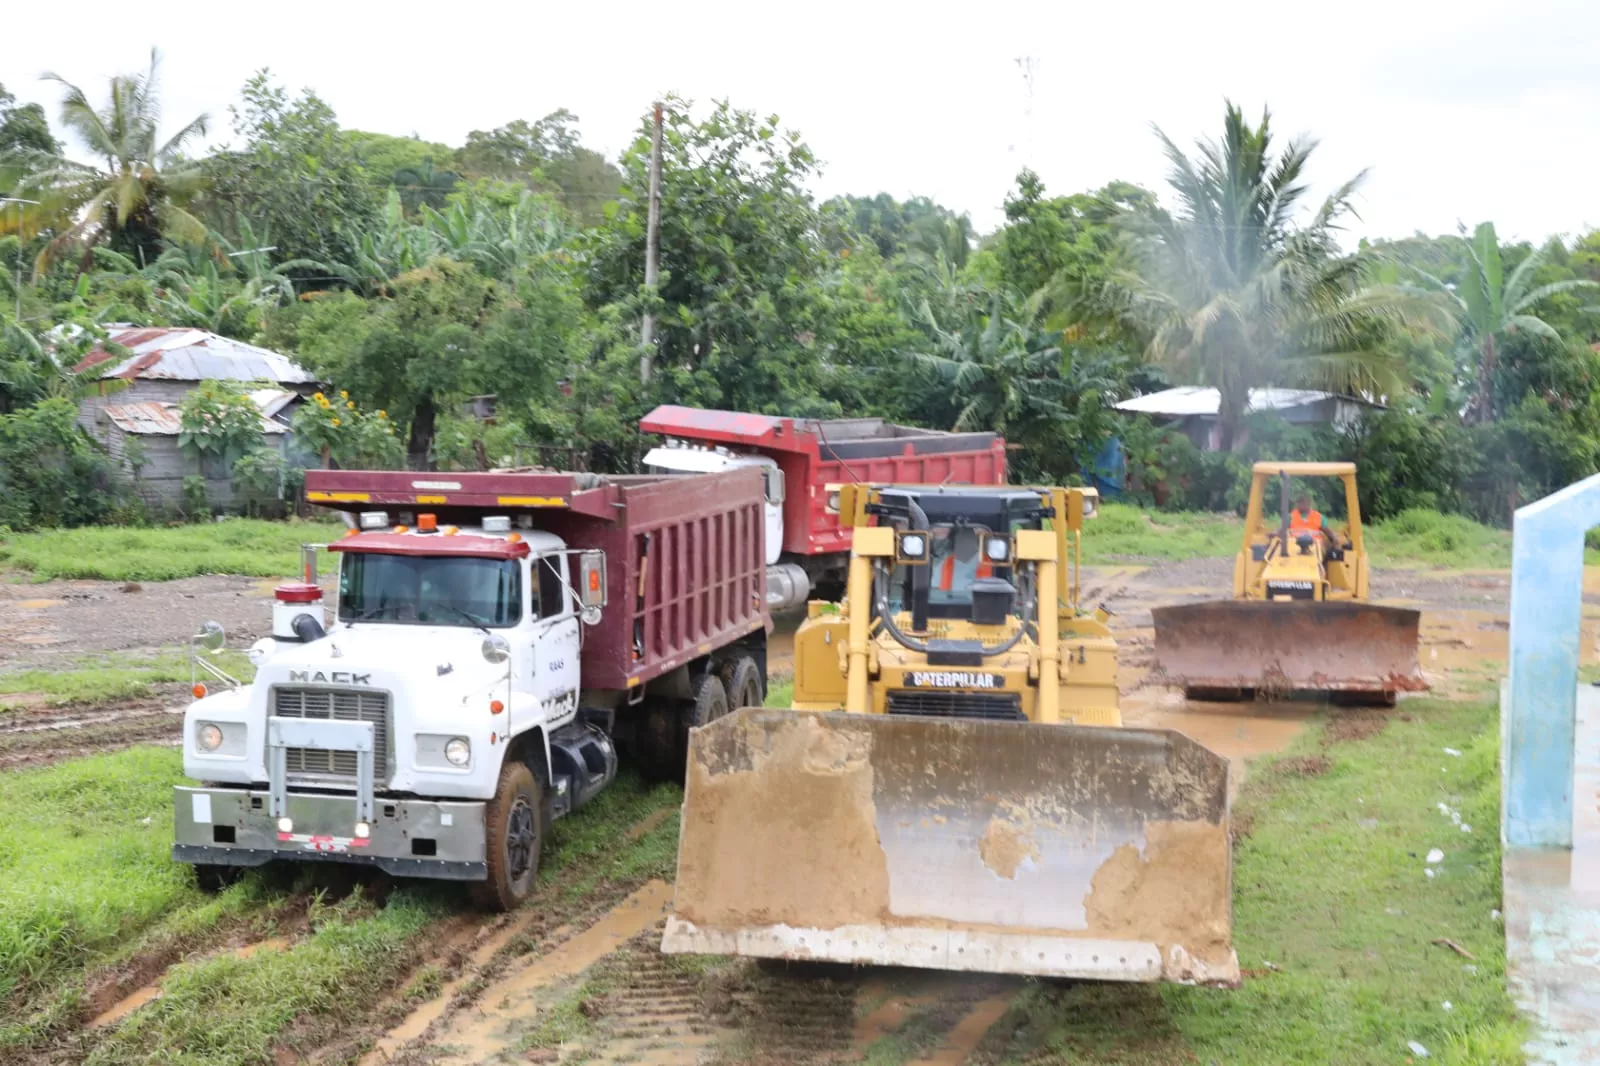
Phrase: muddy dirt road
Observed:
(578, 977)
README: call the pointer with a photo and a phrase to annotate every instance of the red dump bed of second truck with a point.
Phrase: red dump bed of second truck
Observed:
(685, 563)
(816, 456)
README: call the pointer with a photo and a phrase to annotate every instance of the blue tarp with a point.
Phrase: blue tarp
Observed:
(1108, 469)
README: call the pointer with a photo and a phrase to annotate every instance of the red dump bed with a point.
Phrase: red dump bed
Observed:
(816, 456)
(685, 564)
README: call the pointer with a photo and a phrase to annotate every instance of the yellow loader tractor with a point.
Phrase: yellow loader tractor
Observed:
(952, 787)
(1299, 622)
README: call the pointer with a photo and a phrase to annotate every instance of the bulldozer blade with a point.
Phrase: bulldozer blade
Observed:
(956, 844)
(1278, 648)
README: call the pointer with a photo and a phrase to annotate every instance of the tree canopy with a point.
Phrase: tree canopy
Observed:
(483, 302)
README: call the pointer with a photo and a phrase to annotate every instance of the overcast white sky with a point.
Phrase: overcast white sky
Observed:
(1464, 109)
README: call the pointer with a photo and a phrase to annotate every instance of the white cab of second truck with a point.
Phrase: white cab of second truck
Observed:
(788, 583)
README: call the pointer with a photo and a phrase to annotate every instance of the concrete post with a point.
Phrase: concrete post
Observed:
(1538, 718)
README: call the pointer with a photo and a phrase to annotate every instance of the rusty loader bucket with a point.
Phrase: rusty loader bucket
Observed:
(995, 847)
(1239, 646)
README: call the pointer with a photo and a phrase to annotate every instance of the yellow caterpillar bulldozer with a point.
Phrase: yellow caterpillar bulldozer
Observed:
(952, 787)
(1300, 620)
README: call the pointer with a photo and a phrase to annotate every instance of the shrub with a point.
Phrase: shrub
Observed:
(51, 474)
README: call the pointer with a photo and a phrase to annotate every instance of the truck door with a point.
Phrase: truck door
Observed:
(556, 675)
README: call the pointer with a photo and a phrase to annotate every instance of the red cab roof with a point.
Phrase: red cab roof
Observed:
(458, 544)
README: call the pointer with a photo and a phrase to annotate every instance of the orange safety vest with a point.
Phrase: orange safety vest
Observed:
(947, 572)
(1311, 522)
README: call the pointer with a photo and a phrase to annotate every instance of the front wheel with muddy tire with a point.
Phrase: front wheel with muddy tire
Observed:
(513, 834)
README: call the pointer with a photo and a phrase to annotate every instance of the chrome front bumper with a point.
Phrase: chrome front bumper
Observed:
(406, 837)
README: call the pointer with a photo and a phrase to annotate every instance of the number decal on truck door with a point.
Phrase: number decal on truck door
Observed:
(556, 665)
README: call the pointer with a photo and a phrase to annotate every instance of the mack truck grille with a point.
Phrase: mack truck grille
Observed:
(1000, 706)
(340, 705)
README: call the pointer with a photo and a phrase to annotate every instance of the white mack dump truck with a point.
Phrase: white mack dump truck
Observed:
(497, 635)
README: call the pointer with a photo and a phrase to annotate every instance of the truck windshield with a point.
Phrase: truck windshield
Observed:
(429, 590)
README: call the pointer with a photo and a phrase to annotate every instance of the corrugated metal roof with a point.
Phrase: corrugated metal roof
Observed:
(193, 355)
(145, 419)
(161, 419)
(1198, 400)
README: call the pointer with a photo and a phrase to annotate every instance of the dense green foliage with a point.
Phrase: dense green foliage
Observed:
(419, 278)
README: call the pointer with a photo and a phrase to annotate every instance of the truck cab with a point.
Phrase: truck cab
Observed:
(450, 649)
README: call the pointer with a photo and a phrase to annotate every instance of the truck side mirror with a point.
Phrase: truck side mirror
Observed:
(774, 484)
(211, 637)
(591, 581)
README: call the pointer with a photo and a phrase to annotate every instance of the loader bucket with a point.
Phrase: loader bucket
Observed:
(1279, 648)
(956, 844)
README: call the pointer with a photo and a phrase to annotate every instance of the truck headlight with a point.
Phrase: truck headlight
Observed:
(459, 751)
(208, 736)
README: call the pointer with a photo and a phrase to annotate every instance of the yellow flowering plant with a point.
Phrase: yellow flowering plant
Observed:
(345, 435)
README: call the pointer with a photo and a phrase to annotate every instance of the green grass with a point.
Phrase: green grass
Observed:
(1330, 890)
(251, 547)
(1428, 538)
(111, 677)
(233, 1010)
(229, 1011)
(1122, 532)
(86, 876)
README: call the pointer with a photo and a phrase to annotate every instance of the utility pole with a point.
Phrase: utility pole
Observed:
(1029, 65)
(19, 202)
(652, 250)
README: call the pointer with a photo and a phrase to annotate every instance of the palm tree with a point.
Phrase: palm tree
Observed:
(133, 196)
(1231, 293)
(1490, 305)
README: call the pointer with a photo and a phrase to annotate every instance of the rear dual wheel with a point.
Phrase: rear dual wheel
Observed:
(664, 733)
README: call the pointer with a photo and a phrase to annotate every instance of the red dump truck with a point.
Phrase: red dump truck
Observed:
(497, 636)
(805, 461)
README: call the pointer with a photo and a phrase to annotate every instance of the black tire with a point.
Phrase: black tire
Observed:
(514, 833)
(214, 878)
(658, 750)
(744, 683)
(708, 701)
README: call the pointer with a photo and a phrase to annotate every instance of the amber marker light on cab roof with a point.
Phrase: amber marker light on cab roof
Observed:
(427, 523)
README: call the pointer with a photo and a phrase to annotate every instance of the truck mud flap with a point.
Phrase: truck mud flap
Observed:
(994, 847)
(1238, 646)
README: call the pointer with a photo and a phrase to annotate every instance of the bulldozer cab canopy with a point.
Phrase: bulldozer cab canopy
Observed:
(956, 517)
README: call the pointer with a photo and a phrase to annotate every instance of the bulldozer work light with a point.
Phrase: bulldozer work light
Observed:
(363, 830)
(911, 547)
(997, 548)
(285, 824)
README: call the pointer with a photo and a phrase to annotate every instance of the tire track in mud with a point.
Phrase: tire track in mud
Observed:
(21, 750)
(478, 959)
